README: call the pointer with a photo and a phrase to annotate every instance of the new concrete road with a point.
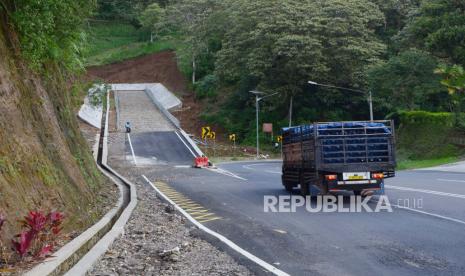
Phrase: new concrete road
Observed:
(428, 238)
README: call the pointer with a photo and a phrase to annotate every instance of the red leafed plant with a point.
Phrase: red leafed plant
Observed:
(40, 234)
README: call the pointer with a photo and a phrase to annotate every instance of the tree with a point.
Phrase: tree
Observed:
(192, 18)
(408, 82)
(153, 19)
(51, 30)
(439, 27)
(283, 44)
(127, 10)
(453, 78)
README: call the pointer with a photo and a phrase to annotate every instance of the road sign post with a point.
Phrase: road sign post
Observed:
(280, 141)
(232, 138)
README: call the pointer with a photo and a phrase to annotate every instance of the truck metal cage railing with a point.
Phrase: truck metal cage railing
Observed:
(346, 143)
(355, 142)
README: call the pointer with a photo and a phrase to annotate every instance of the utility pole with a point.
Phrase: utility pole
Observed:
(290, 110)
(367, 93)
(370, 102)
(256, 118)
(257, 100)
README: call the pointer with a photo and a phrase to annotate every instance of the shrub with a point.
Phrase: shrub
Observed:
(40, 234)
(206, 88)
(97, 92)
(51, 30)
(424, 135)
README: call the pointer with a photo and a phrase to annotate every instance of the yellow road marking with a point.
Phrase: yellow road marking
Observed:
(197, 211)
(185, 201)
(178, 197)
(191, 207)
(172, 194)
(209, 219)
(202, 216)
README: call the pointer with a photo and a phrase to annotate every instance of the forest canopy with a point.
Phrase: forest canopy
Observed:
(393, 48)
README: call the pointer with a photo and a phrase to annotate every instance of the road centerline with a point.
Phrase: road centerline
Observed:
(132, 149)
(451, 180)
(425, 191)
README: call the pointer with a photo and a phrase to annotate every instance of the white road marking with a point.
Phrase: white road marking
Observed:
(227, 173)
(248, 167)
(451, 180)
(183, 166)
(274, 172)
(430, 214)
(132, 149)
(222, 238)
(425, 191)
(193, 154)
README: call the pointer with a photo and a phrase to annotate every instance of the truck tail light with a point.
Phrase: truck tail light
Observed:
(331, 177)
(377, 175)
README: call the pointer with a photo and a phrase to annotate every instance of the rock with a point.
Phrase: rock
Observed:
(170, 209)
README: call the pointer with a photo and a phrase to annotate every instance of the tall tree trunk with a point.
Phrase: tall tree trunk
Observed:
(151, 37)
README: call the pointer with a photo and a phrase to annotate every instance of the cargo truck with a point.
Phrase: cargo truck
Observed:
(338, 156)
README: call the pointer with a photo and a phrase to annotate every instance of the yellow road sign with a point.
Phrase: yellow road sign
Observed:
(232, 137)
(279, 138)
(211, 135)
(206, 132)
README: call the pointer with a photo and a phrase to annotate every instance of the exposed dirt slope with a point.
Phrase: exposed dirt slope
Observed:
(158, 67)
(45, 162)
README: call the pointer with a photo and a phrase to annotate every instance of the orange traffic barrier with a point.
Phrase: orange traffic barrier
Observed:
(201, 162)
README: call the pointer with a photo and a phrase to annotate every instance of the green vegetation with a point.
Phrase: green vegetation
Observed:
(408, 53)
(45, 34)
(423, 139)
(418, 164)
(45, 162)
(111, 42)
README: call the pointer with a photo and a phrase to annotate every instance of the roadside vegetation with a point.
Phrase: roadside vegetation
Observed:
(46, 166)
(408, 53)
(110, 42)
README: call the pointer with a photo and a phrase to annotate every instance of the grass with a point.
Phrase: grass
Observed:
(111, 42)
(418, 164)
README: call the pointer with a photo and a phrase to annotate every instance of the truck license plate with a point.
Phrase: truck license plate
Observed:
(356, 175)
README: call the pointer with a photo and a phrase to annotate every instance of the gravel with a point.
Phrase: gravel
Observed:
(159, 241)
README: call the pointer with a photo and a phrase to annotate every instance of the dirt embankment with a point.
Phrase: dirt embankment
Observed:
(45, 163)
(159, 67)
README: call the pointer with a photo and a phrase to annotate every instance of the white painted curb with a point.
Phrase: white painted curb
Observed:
(101, 247)
(222, 238)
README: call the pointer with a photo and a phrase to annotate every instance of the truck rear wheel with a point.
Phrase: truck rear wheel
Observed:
(304, 189)
(287, 185)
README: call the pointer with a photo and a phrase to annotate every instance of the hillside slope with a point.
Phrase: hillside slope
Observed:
(45, 164)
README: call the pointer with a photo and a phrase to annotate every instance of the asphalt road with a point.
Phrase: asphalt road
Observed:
(160, 147)
(429, 240)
